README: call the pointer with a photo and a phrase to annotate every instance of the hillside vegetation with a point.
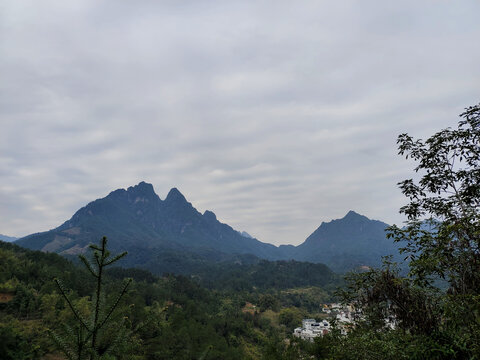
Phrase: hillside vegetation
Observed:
(170, 317)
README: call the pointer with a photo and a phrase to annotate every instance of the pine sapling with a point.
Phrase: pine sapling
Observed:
(86, 339)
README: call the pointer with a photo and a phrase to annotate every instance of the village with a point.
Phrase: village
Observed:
(341, 317)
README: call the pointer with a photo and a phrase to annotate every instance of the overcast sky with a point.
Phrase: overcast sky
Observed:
(275, 115)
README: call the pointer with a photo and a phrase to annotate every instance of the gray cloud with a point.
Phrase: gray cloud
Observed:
(275, 115)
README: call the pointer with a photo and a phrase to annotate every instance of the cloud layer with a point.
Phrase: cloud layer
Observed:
(276, 115)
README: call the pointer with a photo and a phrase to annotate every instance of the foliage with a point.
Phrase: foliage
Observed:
(19, 341)
(93, 338)
(268, 302)
(442, 241)
(291, 317)
(363, 343)
(448, 196)
(387, 299)
(172, 317)
(267, 275)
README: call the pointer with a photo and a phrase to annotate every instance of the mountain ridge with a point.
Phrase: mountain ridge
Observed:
(7, 238)
(139, 213)
(136, 219)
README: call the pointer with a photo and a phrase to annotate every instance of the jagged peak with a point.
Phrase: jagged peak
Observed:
(174, 195)
(350, 216)
(352, 213)
(117, 192)
(142, 187)
(209, 215)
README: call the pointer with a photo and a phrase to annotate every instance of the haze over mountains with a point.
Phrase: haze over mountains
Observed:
(7, 238)
(170, 234)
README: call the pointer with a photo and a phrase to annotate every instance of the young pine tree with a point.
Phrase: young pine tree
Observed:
(98, 336)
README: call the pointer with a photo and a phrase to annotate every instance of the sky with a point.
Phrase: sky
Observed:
(275, 115)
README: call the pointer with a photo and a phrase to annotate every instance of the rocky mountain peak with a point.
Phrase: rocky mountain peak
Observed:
(353, 215)
(143, 189)
(209, 215)
(175, 196)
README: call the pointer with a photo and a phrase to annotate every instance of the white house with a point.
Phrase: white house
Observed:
(311, 329)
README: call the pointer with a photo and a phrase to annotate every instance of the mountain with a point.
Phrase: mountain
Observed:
(7, 238)
(138, 219)
(172, 236)
(245, 234)
(347, 243)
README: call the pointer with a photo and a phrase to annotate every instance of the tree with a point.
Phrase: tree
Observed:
(268, 302)
(442, 241)
(98, 336)
(291, 317)
(386, 298)
(442, 235)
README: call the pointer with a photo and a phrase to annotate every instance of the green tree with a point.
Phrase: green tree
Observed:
(442, 241)
(442, 235)
(268, 302)
(97, 337)
(291, 317)
(387, 298)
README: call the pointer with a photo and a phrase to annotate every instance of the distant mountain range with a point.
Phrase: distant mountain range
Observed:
(171, 235)
(7, 238)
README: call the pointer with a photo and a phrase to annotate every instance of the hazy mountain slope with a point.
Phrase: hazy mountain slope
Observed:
(7, 238)
(347, 243)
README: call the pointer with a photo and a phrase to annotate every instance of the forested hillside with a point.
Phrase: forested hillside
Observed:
(170, 317)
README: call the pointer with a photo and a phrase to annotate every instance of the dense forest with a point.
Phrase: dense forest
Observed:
(170, 317)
